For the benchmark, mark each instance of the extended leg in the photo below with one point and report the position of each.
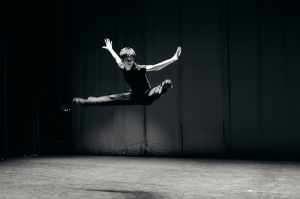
(116, 99)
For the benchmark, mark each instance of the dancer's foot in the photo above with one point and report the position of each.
(79, 101)
(167, 84)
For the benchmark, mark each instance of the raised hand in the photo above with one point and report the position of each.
(177, 54)
(108, 44)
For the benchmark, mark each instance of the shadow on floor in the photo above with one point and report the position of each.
(129, 194)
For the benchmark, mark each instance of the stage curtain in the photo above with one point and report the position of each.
(264, 84)
(189, 118)
(235, 85)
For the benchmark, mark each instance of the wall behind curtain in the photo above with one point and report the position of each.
(235, 85)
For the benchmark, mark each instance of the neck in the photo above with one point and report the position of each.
(128, 67)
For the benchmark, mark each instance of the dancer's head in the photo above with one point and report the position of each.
(127, 55)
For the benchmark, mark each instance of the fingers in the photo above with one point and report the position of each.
(178, 51)
(106, 41)
(108, 44)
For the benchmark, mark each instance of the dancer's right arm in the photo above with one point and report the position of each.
(113, 53)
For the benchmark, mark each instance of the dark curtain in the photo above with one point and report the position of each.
(3, 89)
(236, 85)
(189, 118)
(264, 85)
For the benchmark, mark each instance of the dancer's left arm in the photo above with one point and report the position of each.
(165, 63)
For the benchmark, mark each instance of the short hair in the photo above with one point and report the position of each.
(127, 52)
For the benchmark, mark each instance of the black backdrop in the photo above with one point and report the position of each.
(236, 85)
(189, 119)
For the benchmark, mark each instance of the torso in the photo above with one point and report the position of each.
(137, 79)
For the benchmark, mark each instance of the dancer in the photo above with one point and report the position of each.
(141, 92)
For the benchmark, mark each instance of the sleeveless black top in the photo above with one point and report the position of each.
(137, 79)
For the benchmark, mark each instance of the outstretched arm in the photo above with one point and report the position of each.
(165, 63)
(110, 49)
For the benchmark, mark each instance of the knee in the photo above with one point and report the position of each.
(168, 81)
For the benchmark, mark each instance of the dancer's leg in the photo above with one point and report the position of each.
(116, 99)
(158, 91)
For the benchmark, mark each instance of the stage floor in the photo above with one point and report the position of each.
(146, 177)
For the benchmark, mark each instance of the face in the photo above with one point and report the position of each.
(128, 60)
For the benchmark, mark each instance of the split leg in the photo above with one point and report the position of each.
(109, 100)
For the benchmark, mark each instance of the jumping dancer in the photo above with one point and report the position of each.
(141, 92)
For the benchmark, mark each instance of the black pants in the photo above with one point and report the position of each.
(130, 98)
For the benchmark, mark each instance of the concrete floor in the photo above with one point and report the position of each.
(146, 177)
